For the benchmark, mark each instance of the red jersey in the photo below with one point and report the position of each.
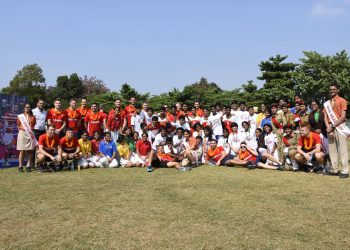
(144, 147)
(49, 144)
(73, 117)
(94, 121)
(199, 112)
(164, 157)
(114, 120)
(69, 145)
(246, 156)
(57, 117)
(83, 112)
(130, 111)
(104, 115)
(215, 154)
(227, 124)
(95, 145)
(170, 117)
(309, 144)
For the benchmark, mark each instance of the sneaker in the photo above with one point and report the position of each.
(251, 166)
(295, 169)
(343, 176)
(41, 169)
(20, 169)
(149, 169)
(188, 168)
(182, 169)
(280, 167)
(28, 169)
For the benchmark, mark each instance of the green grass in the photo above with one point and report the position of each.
(207, 208)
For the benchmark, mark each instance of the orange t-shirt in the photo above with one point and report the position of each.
(57, 117)
(73, 116)
(215, 154)
(32, 121)
(309, 144)
(338, 105)
(49, 144)
(94, 122)
(69, 145)
(164, 157)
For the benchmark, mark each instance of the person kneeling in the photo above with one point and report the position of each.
(85, 151)
(49, 149)
(70, 148)
(109, 156)
(309, 150)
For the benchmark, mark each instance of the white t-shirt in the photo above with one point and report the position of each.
(270, 141)
(232, 119)
(136, 121)
(224, 142)
(177, 140)
(178, 125)
(252, 121)
(250, 138)
(215, 122)
(158, 140)
(235, 140)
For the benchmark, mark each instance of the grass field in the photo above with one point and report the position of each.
(206, 208)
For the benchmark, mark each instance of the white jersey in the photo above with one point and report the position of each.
(158, 140)
(252, 121)
(270, 141)
(184, 126)
(224, 142)
(215, 122)
(177, 140)
(235, 140)
(136, 121)
(249, 137)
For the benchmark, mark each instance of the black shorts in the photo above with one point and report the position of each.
(227, 158)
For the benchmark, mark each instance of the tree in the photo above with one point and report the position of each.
(317, 71)
(30, 82)
(67, 88)
(126, 92)
(279, 77)
(93, 86)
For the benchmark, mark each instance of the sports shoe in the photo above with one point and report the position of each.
(251, 166)
(280, 167)
(182, 169)
(28, 169)
(20, 169)
(149, 169)
(343, 176)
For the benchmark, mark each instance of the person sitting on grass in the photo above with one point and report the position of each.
(126, 158)
(194, 153)
(309, 150)
(216, 155)
(85, 151)
(248, 157)
(143, 149)
(109, 156)
(49, 149)
(70, 148)
(166, 161)
(290, 144)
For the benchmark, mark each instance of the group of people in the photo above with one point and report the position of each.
(277, 137)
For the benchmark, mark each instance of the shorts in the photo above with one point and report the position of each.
(227, 158)
(163, 164)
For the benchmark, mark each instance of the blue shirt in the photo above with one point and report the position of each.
(265, 121)
(107, 148)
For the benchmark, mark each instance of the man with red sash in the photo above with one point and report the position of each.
(73, 117)
(309, 149)
(83, 111)
(57, 117)
(93, 121)
(49, 148)
(335, 117)
(116, 121)
(130, 110)
(70, 147)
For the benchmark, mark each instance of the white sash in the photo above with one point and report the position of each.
(27, 129)
(342, 128)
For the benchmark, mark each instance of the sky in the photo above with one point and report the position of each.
(157, 45)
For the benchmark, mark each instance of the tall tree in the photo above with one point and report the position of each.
(279, 77)
(317, 71)
(29, 81)
(92, 85)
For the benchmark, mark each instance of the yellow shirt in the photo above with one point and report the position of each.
(259, 118)
(124, 151)
(85, 147)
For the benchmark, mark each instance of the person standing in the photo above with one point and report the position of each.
(83, 110)
(130, 111)
(335, 112)
(40, 115)
(57, 117)
(93, 121)
(26, 141)
(73, 117)
(116, 121)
